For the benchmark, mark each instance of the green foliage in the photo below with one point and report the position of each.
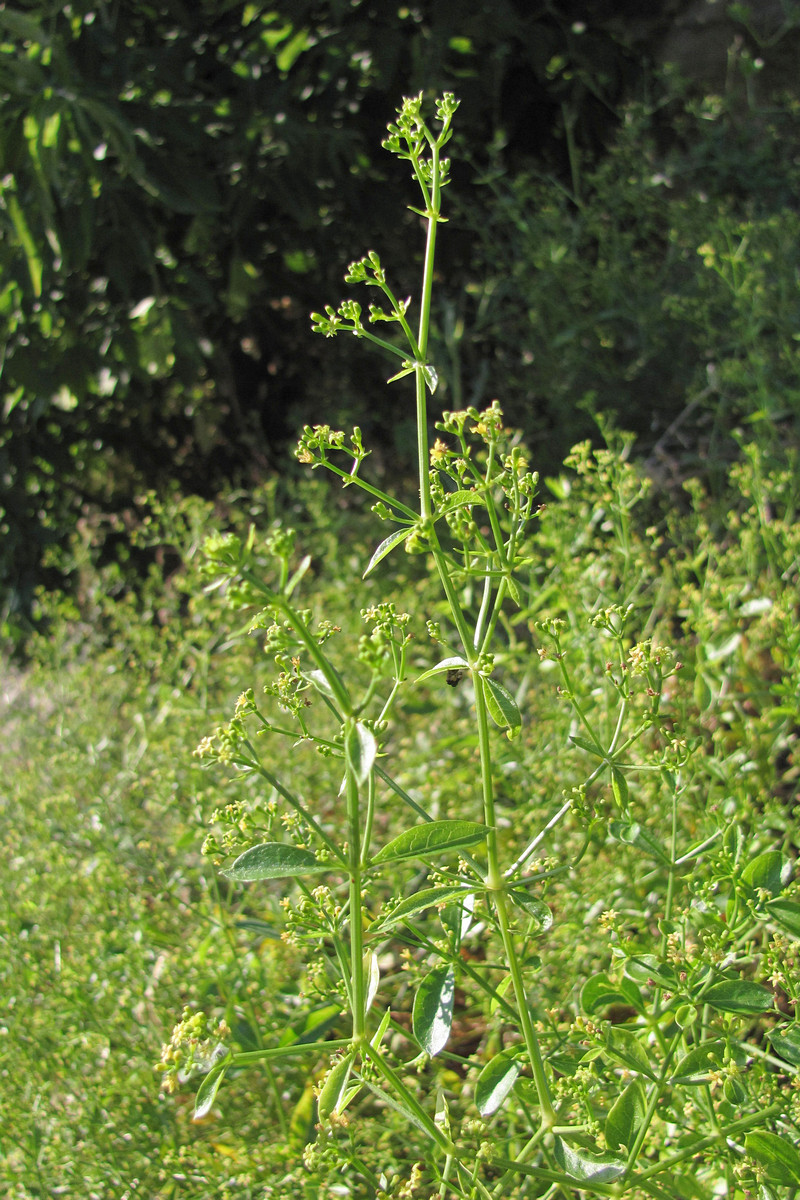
(606, 893)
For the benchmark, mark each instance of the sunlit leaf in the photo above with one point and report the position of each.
(434, 838)
(739, 996)
(432, 1014)
(502, 707)
(496, 1081)
(274, 860)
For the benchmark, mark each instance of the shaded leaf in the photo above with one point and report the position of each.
(206, 1093)
(626, 1116)
(787, 914)
(496, 1081)
(434, 838)
(619, 786)
(623, 1046)
(589, 1168)
(631, 833)
(333, 1088)
(502, 707)
(786, 1043)
(695, 1066)
(599, 992)
(647, 968)
(274, 860)
(432, 1014)
(447, 664)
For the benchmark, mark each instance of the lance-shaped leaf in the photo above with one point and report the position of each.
(502, 707)
(274, 860)
(496, 1081)
(418, 903)
(432, 839)
(432, 1014)
(333, 1088)
(372, 978)
(387, 545)
(206, 1093)
(447, 664)
(360, 750)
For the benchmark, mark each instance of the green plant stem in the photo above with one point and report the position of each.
(496, 885)
(272, 1054)
(736, 1127)
(412, 1106)
(355, 908)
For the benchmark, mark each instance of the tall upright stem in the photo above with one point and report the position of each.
(356, 937)
(496, 885)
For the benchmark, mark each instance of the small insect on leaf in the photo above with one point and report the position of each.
(454, 676)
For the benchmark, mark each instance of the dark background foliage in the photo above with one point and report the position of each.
(182, 183)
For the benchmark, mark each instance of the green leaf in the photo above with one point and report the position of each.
(787, 914)
(206, 1093)
(427, 841)
(786, 1043)
(418, 903)
(695, 1066)
(769, 872)
(589, 747)
(496, 1081)
(432, 1014)
(387, 545)
(631, 833)
(739, 996)
(380, 1032)
(26, 240)
(647, 968)
(360, 750)
(780, 1158)
(321, 683)
(372, 977)
(619, 786)
(533, 907)
(333, 1088)
(502, 707)
(588, 1168)
(599, 992)
(626, 1116)
(459, 499)
(430, 376)
(274, 860)
(624, 1047)
(447, 664)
